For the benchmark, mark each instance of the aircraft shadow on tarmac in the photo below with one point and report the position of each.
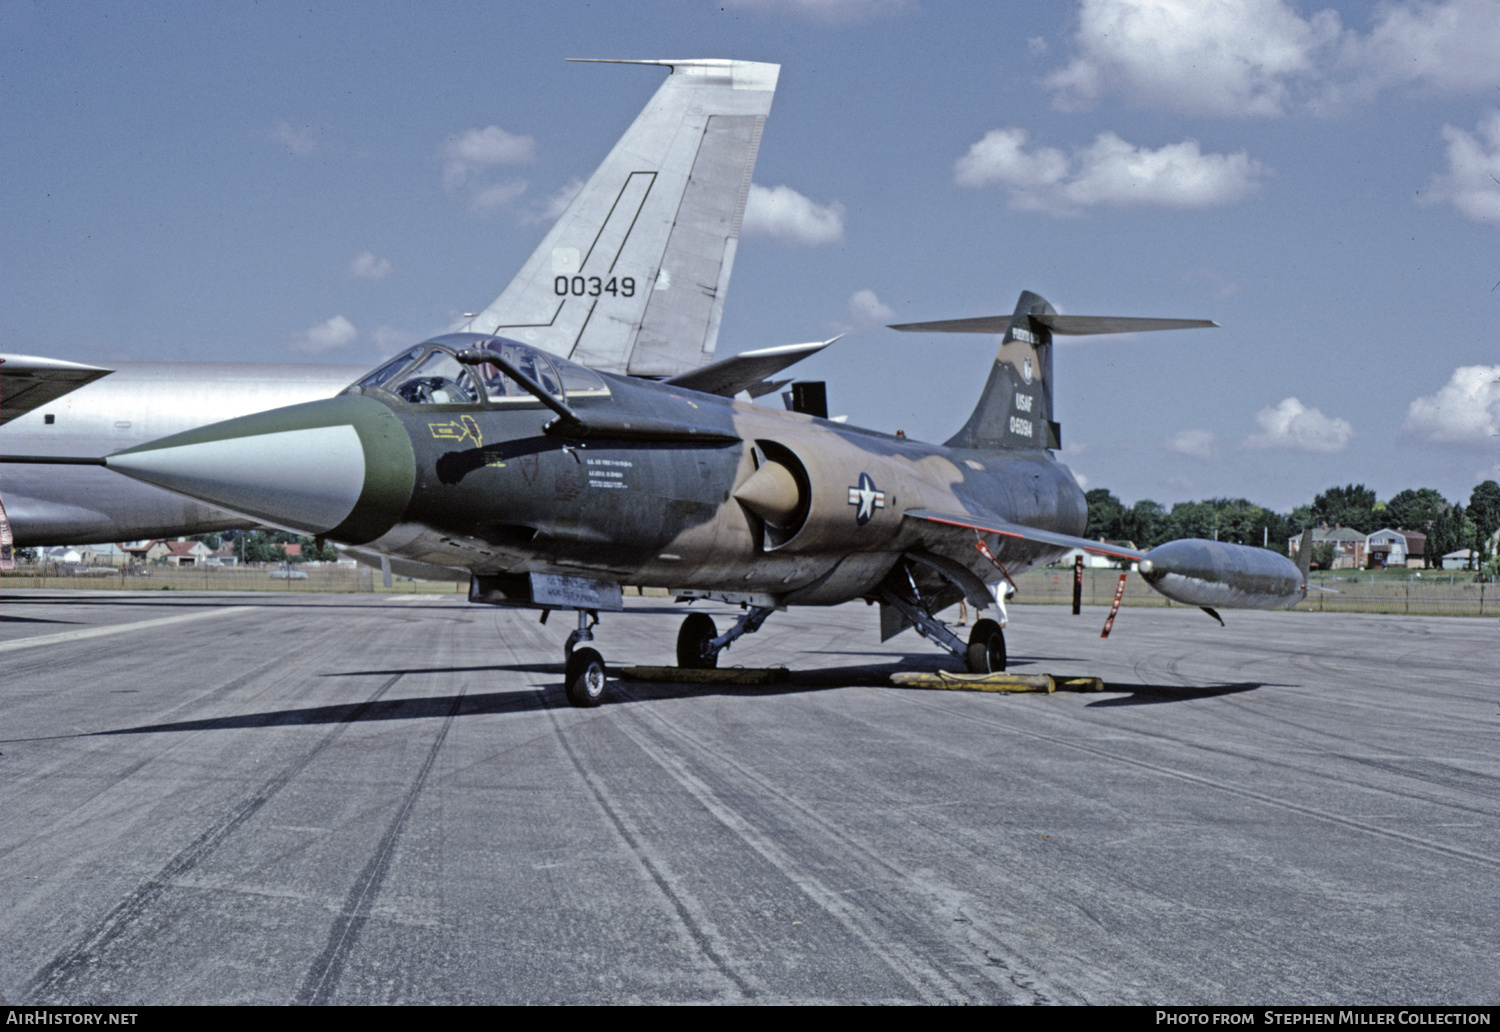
(467, 704)
(529, 699)
(1153, 694)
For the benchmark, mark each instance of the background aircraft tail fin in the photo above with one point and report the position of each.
(632, 277)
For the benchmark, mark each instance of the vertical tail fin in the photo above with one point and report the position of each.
(632, 277)
(1014, 412)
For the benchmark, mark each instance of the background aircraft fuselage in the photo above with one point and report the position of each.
(137, 402)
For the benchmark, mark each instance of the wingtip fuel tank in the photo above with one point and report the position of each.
(1220, 575)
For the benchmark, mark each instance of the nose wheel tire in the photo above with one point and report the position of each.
(696, 632)
(585, 679)
(986, 652)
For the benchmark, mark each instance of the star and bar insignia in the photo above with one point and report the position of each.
(867, 498)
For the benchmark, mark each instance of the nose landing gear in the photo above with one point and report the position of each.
(584, 677)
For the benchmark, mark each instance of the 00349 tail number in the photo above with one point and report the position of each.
(593, 286)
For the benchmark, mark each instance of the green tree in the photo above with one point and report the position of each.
(1418, 509)
(1106, 514)
(1447, 535)
(260, 547)
(1352, 506)
(1142, 523)
(1484, 508)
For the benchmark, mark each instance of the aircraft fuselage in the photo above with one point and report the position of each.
(658, 486)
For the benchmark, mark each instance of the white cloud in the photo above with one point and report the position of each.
(549, 209)
(1453, 46)
(486, 200)
(300, 142)
(867, 310)
(1472, 183)
(331, 335)
(783, 214)
(1292, 426)
(1261, 57)
(366, 266)
(467, 155)
(1197, 443)
(1465, 411)
(1195, 55)
(1109, 171)
(387, 341)
(826, 10)
(471, 154)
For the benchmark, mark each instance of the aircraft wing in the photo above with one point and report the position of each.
(632, 277)
(995, 525)
(747, 371)
(1066, 325)
(27, 382)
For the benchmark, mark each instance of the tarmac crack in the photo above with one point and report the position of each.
(924, 975)
(691, 916)
(1307, 811)
(323, 977)
(90, 950)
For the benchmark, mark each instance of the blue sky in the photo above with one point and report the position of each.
(290, 182)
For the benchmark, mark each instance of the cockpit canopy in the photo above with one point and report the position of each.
(431, 374)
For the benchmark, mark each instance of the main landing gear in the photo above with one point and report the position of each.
(699, 641)
(584, 676)
(985, 651)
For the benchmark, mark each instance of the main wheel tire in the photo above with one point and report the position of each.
(986, 652)
(696, 632)
(585, 678)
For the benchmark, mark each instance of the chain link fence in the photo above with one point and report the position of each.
(1415, 593)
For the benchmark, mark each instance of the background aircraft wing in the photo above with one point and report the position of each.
(995, 525)
(747, 371)
(27, 382)
(632, 277)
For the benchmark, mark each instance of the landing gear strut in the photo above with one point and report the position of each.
(584, 677)
(985, 651)
(699, 643)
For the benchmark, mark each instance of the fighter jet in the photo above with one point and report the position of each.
(531, 454)
(551, 485)
(631, 280)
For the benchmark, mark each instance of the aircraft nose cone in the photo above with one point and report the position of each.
(342, 467)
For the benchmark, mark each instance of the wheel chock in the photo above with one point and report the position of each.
(1078, 684)
(977, 682)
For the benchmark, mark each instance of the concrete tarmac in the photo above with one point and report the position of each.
(291, 798)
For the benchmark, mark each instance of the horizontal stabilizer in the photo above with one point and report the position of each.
(747, 370)
(27, 382)
(995, 525)
(1067, 325)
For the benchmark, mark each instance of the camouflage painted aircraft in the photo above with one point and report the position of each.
(550, 485)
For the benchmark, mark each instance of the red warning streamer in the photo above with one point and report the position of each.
(984, 550)
(1115, 606)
